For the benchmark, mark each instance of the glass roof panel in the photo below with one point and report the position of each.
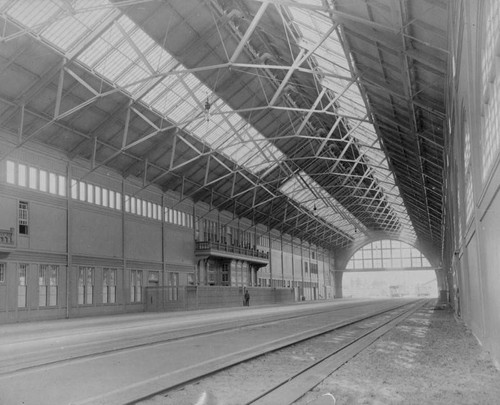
(71, 28)
(96, 52)
(300, 187)
(312, 25)
(34, 14)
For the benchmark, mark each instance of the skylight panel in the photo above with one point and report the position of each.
(112, 35)
(178, 107)
(113, 65)
(159, 59)
(236, 121)
(70, 29)
(35, 13)
(142, 40)
(299, 189)
(160, 103)
(95, 52)
(115, 56)
(238, 153)
(64, 32)
(217, 137)
(126, 23)
(134, 74)
(183, 113)
(151, 97)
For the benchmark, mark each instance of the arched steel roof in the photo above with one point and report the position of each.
(322, 119)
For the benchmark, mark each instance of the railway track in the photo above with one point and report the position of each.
(146, 364)
(126, 338)
(361, 332)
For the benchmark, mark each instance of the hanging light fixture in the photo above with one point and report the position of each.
(207, 109)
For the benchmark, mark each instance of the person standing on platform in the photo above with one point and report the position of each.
(246, 301)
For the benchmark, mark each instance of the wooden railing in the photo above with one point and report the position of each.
(224, 247)
(7, 237)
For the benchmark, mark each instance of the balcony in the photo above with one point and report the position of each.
(7, 239)
(217, 249)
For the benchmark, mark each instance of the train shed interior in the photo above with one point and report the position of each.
(170, 155)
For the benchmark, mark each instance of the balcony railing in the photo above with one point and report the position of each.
(7, 237)
(224, 247)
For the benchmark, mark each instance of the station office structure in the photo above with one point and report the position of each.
(160, 155)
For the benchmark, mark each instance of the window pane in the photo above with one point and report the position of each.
(21, 175)
(33, 175)
(53, 275)
(42, 185)
(127, 203)
(132, 205)
(150, 210)
(105, 197)
(52, 183)
(90, 193)
(62, 186)
(82, 191)
(144, 207)
(11, 172)
(74, 189)
(119, 201)
(139, 206)
(97, 195)
(111, 199)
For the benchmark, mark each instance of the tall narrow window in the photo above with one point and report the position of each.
(23, 218)
(47, 285)
(97, 195)
(118, 204)
(2, 273)
(42, 287)
(136, 285)
(74, 189)
(85, 285)
(139, 206)
(83, 188)
(173, 283)
(90, 193)
(53, 281)
(61, 189)
(22, 285)
(109, 286)
(43, 180)
(33, 177)
(21, 175)
(111, 199)
(105, 197)
(11, 172)
(52, 183)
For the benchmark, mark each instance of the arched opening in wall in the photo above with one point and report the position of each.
(389, 268)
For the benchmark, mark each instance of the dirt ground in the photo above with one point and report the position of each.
(431, 358)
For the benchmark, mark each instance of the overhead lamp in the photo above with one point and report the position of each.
(207, 109)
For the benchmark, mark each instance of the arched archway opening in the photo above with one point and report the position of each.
(389, 268)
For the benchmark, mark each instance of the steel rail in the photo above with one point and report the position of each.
(101, 347)
(290, 390)
(255, 352)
